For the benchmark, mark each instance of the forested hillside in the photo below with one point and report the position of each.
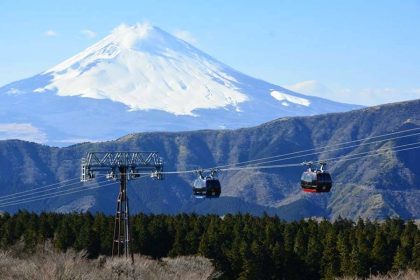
(240, 246)
(374, 187)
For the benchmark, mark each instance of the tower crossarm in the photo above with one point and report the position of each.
(133, 162)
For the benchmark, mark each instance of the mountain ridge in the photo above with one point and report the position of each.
(376, 187)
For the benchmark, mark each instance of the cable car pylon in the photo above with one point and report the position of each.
(124, 166)
(122, 230)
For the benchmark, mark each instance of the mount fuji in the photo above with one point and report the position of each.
(141, 78)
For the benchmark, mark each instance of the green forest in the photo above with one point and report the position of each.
(240, 246)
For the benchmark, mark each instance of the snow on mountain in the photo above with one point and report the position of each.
(140, 78)
(289, 98)
(146, 68)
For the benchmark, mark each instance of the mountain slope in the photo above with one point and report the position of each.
(375, 187)
(140, 78)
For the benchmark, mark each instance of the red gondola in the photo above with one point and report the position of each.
(316, 180)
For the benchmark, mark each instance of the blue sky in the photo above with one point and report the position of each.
(365, 52)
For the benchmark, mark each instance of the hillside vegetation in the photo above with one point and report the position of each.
(374, 187)
(240, 246)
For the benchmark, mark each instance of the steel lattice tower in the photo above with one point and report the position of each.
(124, 166)
(122, 230)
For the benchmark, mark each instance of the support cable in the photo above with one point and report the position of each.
(43, 187)
(56, 194)
(280, 166)
(37, 191)
(324, 147)
(333, 150)
(66, 183)
(337, 159)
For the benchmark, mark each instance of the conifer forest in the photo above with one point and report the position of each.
(239, 246)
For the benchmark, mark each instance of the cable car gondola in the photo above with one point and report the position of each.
(316, 180)
(207, 186)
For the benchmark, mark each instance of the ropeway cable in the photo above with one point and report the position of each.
(292, 164)
(43, 187)
(62, 183)
(336, 159)
(52, 195)
(333, 150)
(251, 167)
(344, 158)
(305, 155)
(313, 149)
(37, 191)
(255, 166)
(341, 158)
(56, 194)
(381, 152)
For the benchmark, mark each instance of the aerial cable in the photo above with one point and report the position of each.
(66, 183)
(58, 193)
(254, 166)
(338, 159)
(258, 167)
(43, 187)
(169, 172)
(223, 169)
(52, 195)
(48, 194)
(378, 152)
(298, 152)
(46, 188)
(333, 150)
(313, 149)
(38, 191)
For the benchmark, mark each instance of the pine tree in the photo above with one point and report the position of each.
(313, 256)
(344, 249)
(262, 261)
(180, 246)
(86, 238)
(277, 256)
(234, 259)
(357, 263)
(64, 237)
(300, 244)
(193, 236)
(379, 252)
(31, 239)
(140, 233)
(247, 270)
(400, 259)
(415, 263)
(330, 264)
(360, 251)
(46, 230)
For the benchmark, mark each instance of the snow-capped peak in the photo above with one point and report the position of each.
(152, 80)
(122, 37)
(146, 68)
